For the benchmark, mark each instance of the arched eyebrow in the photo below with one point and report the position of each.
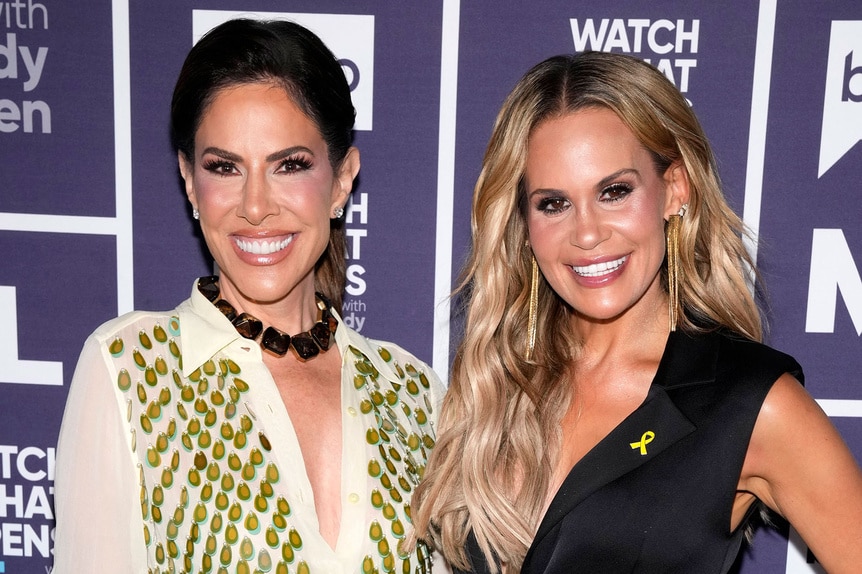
(608, 179)
(600, 185)
(275, 156)
(287, 152)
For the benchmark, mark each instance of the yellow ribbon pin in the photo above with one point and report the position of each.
(646, 438)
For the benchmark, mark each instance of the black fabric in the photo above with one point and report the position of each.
(667, 510)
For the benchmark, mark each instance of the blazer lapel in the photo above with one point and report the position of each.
(649, 430)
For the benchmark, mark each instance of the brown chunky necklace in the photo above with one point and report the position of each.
(305, 345)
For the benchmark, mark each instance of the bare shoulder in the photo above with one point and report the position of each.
(798, 465)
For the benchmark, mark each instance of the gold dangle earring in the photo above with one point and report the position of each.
(534, 308)
(674, 272)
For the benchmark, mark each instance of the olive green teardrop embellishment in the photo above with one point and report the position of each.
(159, 333)
(287, 553)
(226, 555)
(209, 368)
(150, 376)
(219, 450)
(231, 535)
(272, 473)
(235, 512)
(200, 513)
(420, 416)
(174, 349)
(142, 393)
(222, 501)
(124, 380)
(375, 531)
(367, 565)
(217, 522)
(374, 468)
(153, 457)
(227, 483)
(271, 537)
(243, 491)
(376, 499)
(139, 359)
(266, 489)
(210, 545)
(255, 457)
(213, 471)
(372, 436)
(167, 477)
(154, 411)
(116, 347)
(204, 439)
(358, 381)
(252, 524)
(283, 506)
(241, 385)
(295, 539)
(412, 387)
(384, 354)
(248, 471)
(161, 366)
(186, 440)
(210, 418)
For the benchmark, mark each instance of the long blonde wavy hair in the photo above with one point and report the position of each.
(498, 437)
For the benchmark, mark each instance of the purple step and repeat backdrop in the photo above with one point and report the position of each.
(94, 222)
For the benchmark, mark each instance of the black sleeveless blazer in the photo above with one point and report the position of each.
(656, 494)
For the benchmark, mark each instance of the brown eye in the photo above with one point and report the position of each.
(295, 164)
(615, 192)
(552, 204)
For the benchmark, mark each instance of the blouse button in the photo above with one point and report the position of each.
(351, 411)
(353, 497)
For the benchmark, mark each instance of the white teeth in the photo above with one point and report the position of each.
(263, 247)
(598, 269)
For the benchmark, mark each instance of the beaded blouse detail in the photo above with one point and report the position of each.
(210, 486)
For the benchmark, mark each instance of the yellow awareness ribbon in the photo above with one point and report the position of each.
(646, 438)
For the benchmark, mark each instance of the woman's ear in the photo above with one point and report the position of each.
(343, 184)
(187, 171)
(677, 188)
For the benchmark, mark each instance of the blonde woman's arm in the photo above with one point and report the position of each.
(799, 466)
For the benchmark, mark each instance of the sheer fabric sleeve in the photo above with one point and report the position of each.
(96, 496)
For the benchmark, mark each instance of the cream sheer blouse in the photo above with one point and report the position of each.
(176, 454)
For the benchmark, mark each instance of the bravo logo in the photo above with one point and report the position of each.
(842, 105)
(349, 36)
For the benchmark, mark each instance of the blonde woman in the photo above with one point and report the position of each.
(611, 408)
